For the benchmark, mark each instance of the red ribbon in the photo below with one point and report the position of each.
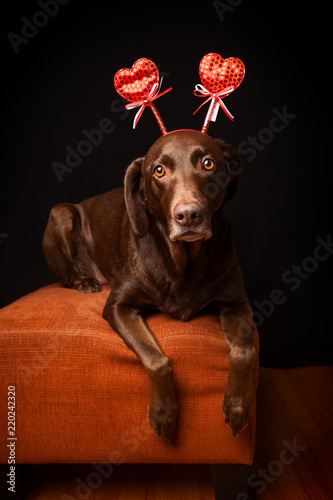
(153, 94)
(201, 91)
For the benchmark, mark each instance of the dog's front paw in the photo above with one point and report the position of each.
(87, 285)
(238, 409)
(163, 416)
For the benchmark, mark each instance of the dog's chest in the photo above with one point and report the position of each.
(181, 284)
(183, 300)
(181, 309)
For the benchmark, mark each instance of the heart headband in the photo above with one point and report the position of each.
(141, 86)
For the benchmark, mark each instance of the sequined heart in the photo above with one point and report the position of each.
(218, 74)
(135, 84)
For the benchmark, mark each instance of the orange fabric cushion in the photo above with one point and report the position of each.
(82, 395)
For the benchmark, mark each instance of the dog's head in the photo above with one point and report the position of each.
(184, 178)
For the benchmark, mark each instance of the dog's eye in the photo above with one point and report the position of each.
(159, 171)
(208, 164)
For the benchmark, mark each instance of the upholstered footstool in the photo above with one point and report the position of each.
(82, 396)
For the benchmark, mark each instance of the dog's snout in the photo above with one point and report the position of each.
(188, 214)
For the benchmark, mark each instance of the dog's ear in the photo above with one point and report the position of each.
(234, 166)
(134, 198)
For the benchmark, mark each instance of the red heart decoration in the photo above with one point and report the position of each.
(135, 84)
(218, 74)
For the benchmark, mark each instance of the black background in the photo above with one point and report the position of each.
(61, 82)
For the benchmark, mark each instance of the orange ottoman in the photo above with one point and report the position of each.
(82, 396)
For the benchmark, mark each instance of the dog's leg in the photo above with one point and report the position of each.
(132, 328)
(237, 326)
(65, 249)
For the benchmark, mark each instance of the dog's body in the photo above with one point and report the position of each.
(163, 242)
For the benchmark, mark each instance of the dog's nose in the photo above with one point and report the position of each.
(188, 214)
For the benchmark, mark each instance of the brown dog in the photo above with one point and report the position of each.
(163, 242)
